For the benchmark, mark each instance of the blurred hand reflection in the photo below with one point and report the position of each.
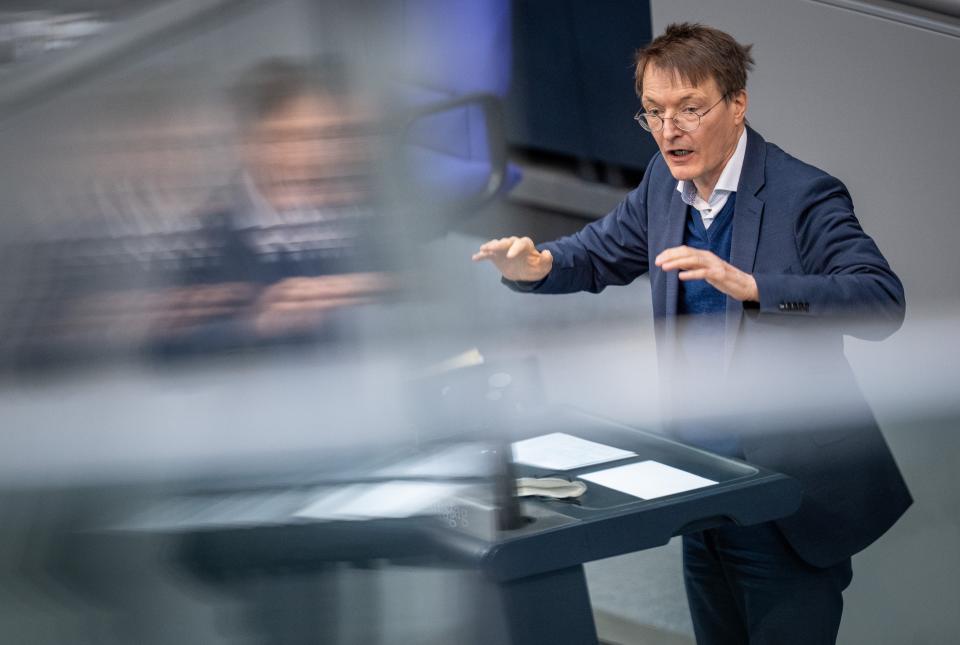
(300, 304)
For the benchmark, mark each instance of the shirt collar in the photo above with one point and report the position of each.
(257, 211)
(729, 178)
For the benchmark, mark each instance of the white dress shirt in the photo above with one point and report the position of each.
(729, 178)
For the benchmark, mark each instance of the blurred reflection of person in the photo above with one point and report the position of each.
(765, 256)
(308, 183)
(299, 226)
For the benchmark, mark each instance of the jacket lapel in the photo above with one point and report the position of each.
(676, 223)
(747, 216)
(673, 236)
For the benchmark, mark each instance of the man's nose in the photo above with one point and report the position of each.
(670, 130)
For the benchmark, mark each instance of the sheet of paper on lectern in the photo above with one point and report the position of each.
(648, 479)
(561, 451)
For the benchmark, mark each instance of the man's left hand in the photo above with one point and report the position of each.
(696, 264)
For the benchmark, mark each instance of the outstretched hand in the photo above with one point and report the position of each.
(516, 258)
(696, 264)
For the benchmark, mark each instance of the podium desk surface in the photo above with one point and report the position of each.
(552, 535)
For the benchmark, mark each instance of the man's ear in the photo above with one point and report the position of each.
(740, 101)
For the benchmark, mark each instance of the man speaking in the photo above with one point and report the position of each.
(758, 267)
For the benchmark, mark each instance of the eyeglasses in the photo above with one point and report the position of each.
(688, 120)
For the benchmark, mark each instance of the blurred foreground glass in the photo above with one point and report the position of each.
(230, 184)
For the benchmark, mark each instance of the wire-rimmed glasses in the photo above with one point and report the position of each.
(687, 120)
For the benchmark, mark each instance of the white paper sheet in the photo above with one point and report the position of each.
(648, 479)
(389, 499)
(561, 451)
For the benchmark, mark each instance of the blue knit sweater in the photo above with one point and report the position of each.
(698, 297)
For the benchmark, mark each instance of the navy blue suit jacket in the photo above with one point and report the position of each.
(819, 277)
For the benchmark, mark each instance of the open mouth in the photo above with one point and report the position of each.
(680, 154)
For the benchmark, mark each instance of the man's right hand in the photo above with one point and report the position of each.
(516, 258)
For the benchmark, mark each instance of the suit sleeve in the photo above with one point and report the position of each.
(846, 279)
(610, 251)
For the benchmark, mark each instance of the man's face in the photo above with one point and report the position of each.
(697, 156)
(312, 152)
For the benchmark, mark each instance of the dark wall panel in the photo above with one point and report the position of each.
(572, 90)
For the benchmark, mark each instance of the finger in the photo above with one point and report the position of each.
(696, 274)
(496, 246)
(671, 253)
(683, 251)
(521, 245)
(689, 258)
(688, 262)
